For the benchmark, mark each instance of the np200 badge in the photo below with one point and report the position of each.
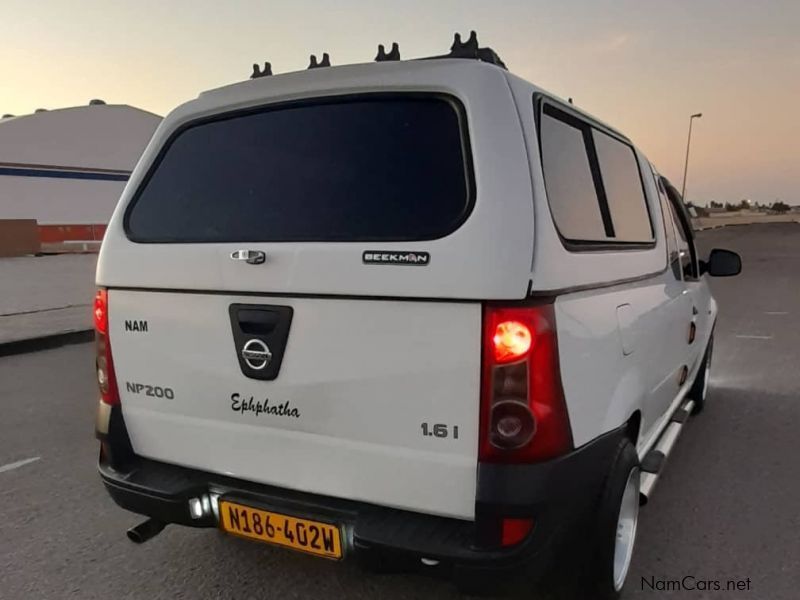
(382, 257)
(154, 391)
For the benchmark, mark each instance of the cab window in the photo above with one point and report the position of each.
(686, 247)
(673, 256)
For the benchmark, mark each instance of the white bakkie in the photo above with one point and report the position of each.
(418, 313)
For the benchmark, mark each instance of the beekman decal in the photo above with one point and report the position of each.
(383, 257)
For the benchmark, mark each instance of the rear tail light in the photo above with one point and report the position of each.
(523, 413)
(106, 379)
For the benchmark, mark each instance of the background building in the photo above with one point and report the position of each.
(66, 168)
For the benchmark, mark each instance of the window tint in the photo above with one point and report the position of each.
(372, 168)
(568, 178)
(623, 189)
(593, 182)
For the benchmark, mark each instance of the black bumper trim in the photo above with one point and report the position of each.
(524, 490)
(551, 493)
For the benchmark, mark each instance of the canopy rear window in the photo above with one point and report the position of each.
(367, 168)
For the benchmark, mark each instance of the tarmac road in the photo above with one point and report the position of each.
(728, 506)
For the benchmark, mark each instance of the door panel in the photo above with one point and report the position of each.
(608, 373)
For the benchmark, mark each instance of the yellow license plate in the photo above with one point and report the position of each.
(321, 539)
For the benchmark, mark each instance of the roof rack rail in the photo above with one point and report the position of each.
(325, 62)
(393, 54)
(459, 49)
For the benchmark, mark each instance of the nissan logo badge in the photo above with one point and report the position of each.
(256, 354)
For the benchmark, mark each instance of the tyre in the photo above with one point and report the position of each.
(699, 389)
(615, 526)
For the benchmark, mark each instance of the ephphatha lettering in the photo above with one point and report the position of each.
(262, 407)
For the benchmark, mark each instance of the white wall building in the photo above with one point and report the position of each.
(69, 166)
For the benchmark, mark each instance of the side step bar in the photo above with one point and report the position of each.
(653, 463)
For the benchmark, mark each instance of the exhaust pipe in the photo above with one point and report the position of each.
(145, 531)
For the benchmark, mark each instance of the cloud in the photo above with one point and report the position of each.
(613, 42)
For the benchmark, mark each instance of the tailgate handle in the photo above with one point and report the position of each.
(257, 322)
(251, 257)
(265, 326)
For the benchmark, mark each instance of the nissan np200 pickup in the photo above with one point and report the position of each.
(409, 312)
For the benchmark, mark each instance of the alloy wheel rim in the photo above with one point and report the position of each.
(627, 522)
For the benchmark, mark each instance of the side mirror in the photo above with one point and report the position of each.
(721, 263)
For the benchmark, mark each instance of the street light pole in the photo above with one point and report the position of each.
(686, 164)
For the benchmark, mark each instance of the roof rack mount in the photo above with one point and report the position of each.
(325, 62)
(266, 72)
(393, 54)
(471, 49)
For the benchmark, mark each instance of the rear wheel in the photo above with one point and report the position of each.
(627, 521)
(616, 523)
(699, 389)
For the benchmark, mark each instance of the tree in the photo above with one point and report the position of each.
(715, 204)
(779, 207)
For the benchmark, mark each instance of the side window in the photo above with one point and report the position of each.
(683, 244)
(622, 182)
(568, 178)
(673, 256)
(677, 220)
(686, 246)
(594, 185)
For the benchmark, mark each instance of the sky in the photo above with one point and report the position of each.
(642, 66)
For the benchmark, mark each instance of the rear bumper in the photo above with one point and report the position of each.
(554, 494)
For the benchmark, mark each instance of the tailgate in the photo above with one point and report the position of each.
(371, 400)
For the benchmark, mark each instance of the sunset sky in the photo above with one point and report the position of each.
(641, 66)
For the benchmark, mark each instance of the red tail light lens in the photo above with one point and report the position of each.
(101, 312)
(523, 413)
(106, 379)
(511, 340)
